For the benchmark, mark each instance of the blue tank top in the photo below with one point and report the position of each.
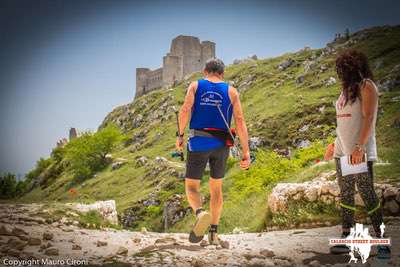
(205, 114)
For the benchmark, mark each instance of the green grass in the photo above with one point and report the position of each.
(304, 212)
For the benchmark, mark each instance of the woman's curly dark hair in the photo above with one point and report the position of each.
(352, 68)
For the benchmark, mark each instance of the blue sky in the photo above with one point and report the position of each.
(68, 63)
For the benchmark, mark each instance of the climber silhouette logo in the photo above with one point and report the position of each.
(360, 241)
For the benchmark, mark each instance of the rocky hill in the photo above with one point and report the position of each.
(288, 104)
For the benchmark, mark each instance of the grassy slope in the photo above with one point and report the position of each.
(274, 113)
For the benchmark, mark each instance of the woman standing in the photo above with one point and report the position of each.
(356, 112)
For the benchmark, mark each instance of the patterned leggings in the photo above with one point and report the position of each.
(365, 185)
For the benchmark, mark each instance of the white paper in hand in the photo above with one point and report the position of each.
(348, 168)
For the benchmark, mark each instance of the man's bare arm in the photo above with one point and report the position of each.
(241, 128)
(186, 109)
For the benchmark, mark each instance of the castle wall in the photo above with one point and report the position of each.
(148, 80)
(141, 81)
(172, 70)
(154, 79)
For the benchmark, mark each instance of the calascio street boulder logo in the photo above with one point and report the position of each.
(360, 242)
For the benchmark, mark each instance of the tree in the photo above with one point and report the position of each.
(8, 184)
(87, 154)
(41, 165)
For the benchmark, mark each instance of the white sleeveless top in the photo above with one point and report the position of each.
(349, 118)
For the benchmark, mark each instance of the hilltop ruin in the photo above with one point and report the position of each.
(187, 55)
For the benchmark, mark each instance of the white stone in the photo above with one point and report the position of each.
(330, 81)
(311, 193)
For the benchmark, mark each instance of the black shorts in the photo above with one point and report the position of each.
(197, 161)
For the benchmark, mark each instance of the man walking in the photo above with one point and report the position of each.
(210, 104)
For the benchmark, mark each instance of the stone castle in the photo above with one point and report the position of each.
(187, 55)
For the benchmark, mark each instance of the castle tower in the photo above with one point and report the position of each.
(172, 69)
(189, 49)
(187, 55)
(141, 81)
(72, 134)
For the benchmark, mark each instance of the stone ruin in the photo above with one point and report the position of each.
(187, 55)
(72, 133)
(62, 142)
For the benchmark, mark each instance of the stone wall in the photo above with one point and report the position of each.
(187, 55)
(154, 79)
(325, 190)
(141, 81)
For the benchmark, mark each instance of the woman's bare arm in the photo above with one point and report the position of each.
(368, 105)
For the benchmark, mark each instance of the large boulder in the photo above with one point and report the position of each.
(330, 81)
(255, 142)
(160, 160)
(137, 121)
(285, 64)
(174, 210)
(117, 165)
(300, 79)
(141, 161)
(309, 65)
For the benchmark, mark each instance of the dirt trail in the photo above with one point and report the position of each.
(25, 235)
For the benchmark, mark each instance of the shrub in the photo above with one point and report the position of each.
(304, 156)
(58, 154)
(87, 154)
(8, 185)
(154, 211)
(271, 168)
(41, 165)
(267, 170)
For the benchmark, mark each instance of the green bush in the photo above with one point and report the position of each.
(58, 154)
(9, 187)
(268, 169)
(20, 188)
(41, 165)
(87, 154)
(154, 211)
(271, 168)
(305, 156)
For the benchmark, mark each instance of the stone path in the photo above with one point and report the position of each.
(25, 235)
